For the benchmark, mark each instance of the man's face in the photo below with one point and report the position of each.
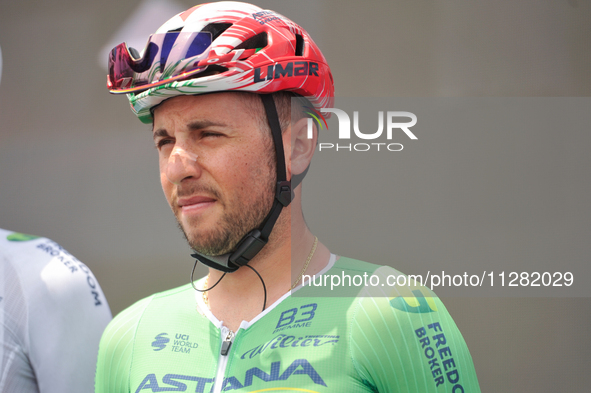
(217, 168)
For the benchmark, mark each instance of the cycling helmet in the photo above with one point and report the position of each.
(224, 46)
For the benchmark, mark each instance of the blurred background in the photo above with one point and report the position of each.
(78, 167)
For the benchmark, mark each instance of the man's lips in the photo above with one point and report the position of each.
(195, 203)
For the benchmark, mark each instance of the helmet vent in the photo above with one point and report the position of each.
(257, 42)
(299, 45)
(211, 70)
(216, 29)
(134, 53)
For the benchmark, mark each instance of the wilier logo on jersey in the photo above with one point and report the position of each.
(285, 341)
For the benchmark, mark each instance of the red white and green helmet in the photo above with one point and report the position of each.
(224, 46)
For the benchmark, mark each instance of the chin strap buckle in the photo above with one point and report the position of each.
(250, 246)
(283, 193)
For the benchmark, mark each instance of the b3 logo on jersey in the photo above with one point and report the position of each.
(295, 317)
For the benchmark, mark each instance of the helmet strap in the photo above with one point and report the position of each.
(253, 242)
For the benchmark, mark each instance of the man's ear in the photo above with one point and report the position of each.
(302, 147)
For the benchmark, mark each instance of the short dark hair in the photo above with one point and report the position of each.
(290, 107)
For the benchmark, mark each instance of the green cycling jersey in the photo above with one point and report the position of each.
(382, 339)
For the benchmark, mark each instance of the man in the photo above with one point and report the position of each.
(52, 315)
(229, 162)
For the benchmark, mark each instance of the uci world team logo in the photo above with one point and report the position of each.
(160, 342)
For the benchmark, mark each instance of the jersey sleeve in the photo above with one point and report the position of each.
(404, 340)
(66, 323)
(115, 350)
(16, 372)
(53, 315)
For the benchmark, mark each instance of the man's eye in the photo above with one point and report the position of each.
(162, 142)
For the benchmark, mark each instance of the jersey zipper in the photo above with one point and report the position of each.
(227, 340)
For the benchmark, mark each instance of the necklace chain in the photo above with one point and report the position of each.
(310, 255)
(204, 293)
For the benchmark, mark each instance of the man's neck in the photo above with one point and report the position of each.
(240, 295)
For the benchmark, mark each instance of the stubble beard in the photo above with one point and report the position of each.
(230, 229)
(237, 220)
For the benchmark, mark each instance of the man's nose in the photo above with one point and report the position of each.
(182, 164)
